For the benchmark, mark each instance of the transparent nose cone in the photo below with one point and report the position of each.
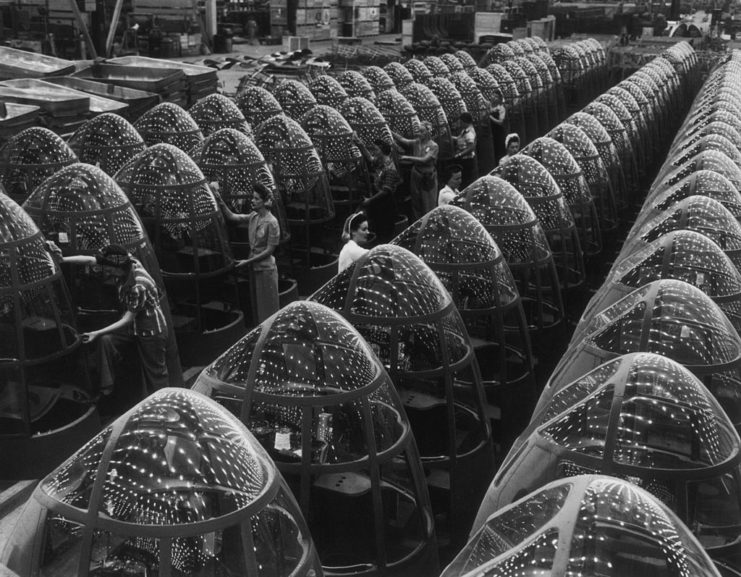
(378, 79)
(168, 123)
(176, 482)
(328, 91)
(588, 158)
(683, 255)
(29, 157)
(614, 419)
(31, 287)
(452, 63)
(294, 97)
(366, 120)
(399, 113)
(707, 182)
(297, 169)
(403, 310)
(179, 211)
(418, 70)
(400, 76)
(534, 182)
(436, 66)
(667, 317)
(309, 387)
(356, 85)
(216, 111)
(257, 104)
(108, 141)
(698, 213)
(468, 262)
(561, 165)
(428, 107)
(230, 158)
(506, 215)
(450, 99)
(586, 525)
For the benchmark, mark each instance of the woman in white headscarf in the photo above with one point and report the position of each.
(512, 146)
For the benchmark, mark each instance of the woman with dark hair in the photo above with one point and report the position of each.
(263, 232)
(465, 150)
(354, 234)
(143, 320)
(423, 180)
(511, 145)
(381, 205)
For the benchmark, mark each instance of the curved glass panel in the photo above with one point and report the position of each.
(168, 123)
(108, 141)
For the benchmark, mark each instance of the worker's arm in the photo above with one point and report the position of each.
(126, 319)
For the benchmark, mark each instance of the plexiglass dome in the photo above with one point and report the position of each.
(345, 164)
(400, 76)
(366, 120)
(488, 86)
(418, 70)
(452, 63)
(699, 213)
(377, 78)
(474, 100)
(601, 139)
(83, 210)
(450, 99)
(667, 317)
(309, 387)
(681, 254)
(297, 169)
(216, 111)
(179, 211)
(29, 157)
(436, 66)
(718, 142)
(402, 309)
(332, 137)
(586, 525)
(703, 182)
(466, 60)
(168, 123)
(646, 419)
(557, 160)
(586, 156)
(257, 104)
(36, 316)
(230, 158)
(714, 128)
(175, 486)
(498, 54)
(356, 85)
(534, 182)
(399, 113)
(294, 97)
(620, 138)
(506, 215)
(468, 262)
(328, 91)
(108, 141)
(428, 108)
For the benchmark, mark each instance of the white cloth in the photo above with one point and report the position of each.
(349, 254)
(446, 195)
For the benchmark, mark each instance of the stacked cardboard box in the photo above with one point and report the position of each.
(363, 15)
(315, 19)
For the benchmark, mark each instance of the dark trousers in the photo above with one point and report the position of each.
(152, 350)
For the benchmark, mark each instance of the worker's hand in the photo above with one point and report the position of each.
(54, 251)
(88, 338)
